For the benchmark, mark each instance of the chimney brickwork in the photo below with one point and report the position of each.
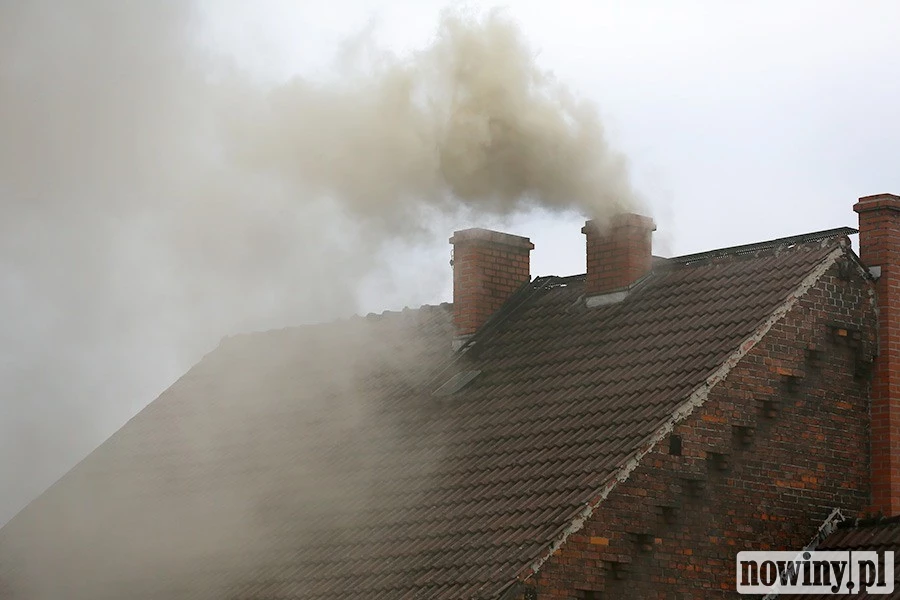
(488, 267)
(618, 255)
(879, 249)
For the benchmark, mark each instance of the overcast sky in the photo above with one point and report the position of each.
(741, 121)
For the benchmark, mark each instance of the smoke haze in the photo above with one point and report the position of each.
(272, 444)
(154, 199)
(469, 120)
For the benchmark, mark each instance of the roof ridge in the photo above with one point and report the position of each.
(550, 281)
(403, 311)
(803, 238)
(372, 316)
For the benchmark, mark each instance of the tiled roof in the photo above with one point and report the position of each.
(877, 534)
(316, 462)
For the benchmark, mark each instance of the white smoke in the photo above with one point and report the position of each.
(154, 199)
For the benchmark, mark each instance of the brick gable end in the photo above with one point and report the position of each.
(779, 444)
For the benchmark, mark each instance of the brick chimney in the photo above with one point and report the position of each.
(879, 249)
(488, 266)
(619, 255)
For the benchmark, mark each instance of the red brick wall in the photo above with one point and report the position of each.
(488, 267)
(790, 420)
(879, 241)
(620, 255)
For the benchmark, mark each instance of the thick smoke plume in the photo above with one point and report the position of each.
(471, 119)
(154, 199)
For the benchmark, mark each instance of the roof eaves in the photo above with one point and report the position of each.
(694, 400)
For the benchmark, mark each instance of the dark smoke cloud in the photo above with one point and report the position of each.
(154, 200)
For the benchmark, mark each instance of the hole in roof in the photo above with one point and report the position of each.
(456, 383)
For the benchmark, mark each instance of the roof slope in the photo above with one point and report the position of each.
(315, 462)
